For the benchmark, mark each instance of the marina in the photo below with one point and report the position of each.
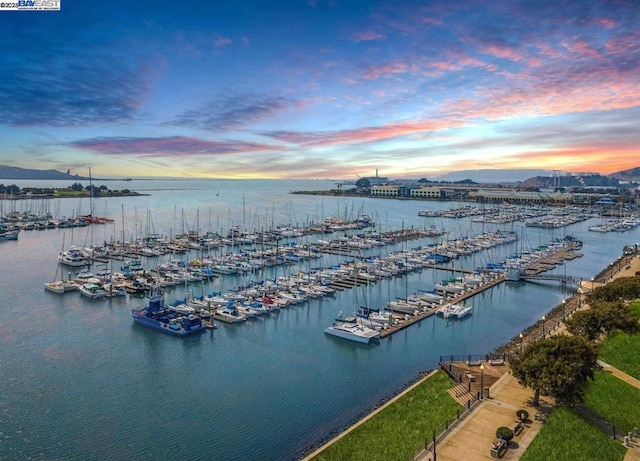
(267, 365)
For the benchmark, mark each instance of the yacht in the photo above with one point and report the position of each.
(353, 332)
(456, 311)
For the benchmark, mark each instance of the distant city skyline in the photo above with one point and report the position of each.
(322, 88)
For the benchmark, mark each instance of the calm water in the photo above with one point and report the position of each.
(81, 381)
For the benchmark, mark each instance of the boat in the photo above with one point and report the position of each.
(8, 235)
(353, 332)
(456, 311)
(74, 257)
(61, 286)
(156, 316)
(92, 290)
(228, 314)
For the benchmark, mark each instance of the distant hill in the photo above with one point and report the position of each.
(12, 172)
(631, 175)
(492, 175)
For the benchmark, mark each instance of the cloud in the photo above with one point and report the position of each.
(67, 91)
(221, 42)
(233, 112)
(359, 135)
(64, 73)
(367, 36)
(171, 146)
(386, 69)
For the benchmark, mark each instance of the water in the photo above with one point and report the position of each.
(81, 381)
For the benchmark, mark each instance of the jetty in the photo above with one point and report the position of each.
(432, 310)
(543, 261)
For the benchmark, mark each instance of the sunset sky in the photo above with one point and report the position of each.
(321, 88)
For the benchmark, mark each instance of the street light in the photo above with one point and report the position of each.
(521, 336)
(563, 301)
(543, 319)
(592, 284)
(482, 380)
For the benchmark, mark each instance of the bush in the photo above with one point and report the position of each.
(522, 414)
(504, 433)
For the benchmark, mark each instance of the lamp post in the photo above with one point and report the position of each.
(563, 302)
(580, 297)
(591, 284)
(521, 336)
(543, 319)
(482, 380)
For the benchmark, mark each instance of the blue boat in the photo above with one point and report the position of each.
(161, 318)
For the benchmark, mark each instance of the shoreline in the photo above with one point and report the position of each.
(623, 266)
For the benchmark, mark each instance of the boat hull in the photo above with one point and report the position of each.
(154, 324)
(351, 336)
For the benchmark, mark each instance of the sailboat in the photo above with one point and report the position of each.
(60, 286)
(354, 331)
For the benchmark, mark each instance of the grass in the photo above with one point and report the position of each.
(614, 400)
(566, 436)
(400, 429)
(621, 350)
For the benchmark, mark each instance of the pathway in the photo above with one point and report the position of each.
(472, 438)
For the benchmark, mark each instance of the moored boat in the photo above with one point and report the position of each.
(92, 290)
(61, 286)
(456, 311)
(158, 317)
(353, 332)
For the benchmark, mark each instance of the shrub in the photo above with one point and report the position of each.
(522, 414)
(504, 433)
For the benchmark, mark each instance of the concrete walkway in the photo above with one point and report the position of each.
(472, 438)
(633, 453)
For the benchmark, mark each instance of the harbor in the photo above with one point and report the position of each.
(62, 351)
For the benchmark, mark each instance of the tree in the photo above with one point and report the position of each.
(363, 183)
(621, 288)
(602, 319)
(558, 367)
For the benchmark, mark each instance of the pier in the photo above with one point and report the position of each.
(529, 271)
(431, 311)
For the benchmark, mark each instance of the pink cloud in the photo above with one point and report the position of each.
(386, 69)
(367, 36)
(503, 52)
(364, 134)
(431, 20)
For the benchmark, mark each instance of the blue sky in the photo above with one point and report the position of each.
(321, 89)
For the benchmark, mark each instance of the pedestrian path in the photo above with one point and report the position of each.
(472, 438)
(633, 453)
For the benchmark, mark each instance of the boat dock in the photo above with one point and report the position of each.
(545, 263)
(429, 312)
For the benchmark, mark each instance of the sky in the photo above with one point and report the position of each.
(320, 88)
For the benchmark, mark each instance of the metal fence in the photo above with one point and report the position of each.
(442, 431)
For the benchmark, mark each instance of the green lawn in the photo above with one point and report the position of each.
(621, 350)
(616, 401)
(566, 436)
(400, 429)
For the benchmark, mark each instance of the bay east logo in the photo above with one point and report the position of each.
(30, 5)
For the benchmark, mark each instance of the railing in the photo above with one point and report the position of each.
(442, 431)
(471, 358)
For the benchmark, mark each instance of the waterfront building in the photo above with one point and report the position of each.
(513, 196)
(430, 192)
